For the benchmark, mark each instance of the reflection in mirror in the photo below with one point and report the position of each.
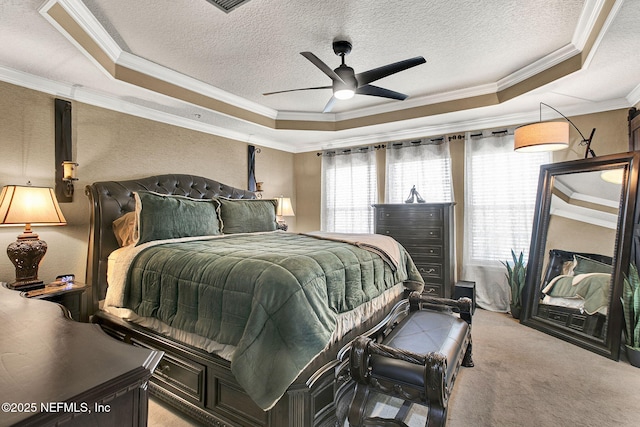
(583, 219)
(580, 246)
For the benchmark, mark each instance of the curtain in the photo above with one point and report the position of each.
(500, 196)
(349, 188)
(423, 163)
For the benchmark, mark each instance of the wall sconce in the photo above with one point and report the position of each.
(68, 176)
(548, 136)
(283, 209)
(26, 206)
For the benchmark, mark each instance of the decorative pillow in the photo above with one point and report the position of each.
(587, 265)
(162, 216)
(568, 267)
(247, 215)
(124, 228)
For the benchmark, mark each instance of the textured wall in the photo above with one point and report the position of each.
(110, 145)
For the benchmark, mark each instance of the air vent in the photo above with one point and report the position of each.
(227, 5)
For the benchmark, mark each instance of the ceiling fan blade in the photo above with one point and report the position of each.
(386, 70)
(329, 106)
(294, 90)
(323, 67)
(380, 91)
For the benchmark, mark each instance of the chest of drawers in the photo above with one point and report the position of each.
(426, 231)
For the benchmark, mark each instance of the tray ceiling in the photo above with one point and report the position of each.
(188, 63)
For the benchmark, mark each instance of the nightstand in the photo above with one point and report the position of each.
(71, 296)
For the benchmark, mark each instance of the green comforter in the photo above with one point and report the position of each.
(275, 296)
(593, 288)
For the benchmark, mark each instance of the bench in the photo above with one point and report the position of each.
(417, 361)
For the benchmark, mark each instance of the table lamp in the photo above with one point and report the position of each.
(27, 206)
(283, 209)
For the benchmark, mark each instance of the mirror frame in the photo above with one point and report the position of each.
(623, 250)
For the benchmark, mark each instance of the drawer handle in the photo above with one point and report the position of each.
(387, 232)
(164, 369)
(431, 270)
(429, 291)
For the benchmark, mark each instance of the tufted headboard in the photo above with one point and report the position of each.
(558, 257)
(112, 199)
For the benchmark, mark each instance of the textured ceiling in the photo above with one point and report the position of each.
(472, 47)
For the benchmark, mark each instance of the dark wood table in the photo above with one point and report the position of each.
(54, 370)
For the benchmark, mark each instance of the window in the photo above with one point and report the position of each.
(500, 197)
(422, 163)
(349, 188)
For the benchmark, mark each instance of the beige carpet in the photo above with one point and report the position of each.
(522, 378)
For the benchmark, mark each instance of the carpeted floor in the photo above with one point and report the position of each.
(522, 378)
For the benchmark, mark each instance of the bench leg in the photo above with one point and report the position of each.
(358, 405)
(437, 416)
(467, 361)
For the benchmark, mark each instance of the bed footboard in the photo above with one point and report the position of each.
(202, 386)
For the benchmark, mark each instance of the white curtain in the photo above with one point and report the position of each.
(349, 188)
(500, 196)
(423, 163)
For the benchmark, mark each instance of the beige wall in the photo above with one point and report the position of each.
(110, 145)
(571, 235)
(610, 137)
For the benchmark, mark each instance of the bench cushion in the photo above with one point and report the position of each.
(422, 332)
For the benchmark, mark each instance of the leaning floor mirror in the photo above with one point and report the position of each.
(581, 245)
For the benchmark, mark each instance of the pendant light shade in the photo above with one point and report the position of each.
(544, 136)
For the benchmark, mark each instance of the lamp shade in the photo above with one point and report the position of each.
(284, 207)
(21, 205)
(545, 136)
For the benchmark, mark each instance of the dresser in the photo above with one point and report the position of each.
(426, 230)
(59, 372)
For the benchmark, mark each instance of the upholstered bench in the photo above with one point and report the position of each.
(417, 361)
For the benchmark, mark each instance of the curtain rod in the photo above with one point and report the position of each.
(349, 150)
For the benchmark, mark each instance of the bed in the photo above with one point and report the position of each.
(575, 290)
(250, 317)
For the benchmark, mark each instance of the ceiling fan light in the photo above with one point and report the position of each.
(344, 93)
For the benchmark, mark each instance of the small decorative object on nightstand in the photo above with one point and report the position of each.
(65, 292)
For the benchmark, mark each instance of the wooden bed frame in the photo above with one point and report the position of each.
(588, 324)
(194, 381)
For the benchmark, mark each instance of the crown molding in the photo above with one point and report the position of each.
(588, 17)
(611, 15)
(87, 21)
(634, 96)
(236, 107)
(149, 68)
(90, 97)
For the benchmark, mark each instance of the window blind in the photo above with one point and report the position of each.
(500, 197)
(349, 188)
(425, 164)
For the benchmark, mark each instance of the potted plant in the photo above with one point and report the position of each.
(631, 309)
(515, 277)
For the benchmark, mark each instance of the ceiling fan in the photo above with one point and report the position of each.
(346, 83)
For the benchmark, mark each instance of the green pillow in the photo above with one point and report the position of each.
(247, 215)
(588, 265)
(162, 216)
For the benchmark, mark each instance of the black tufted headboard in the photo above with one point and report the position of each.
(558, 257)
(112, 199)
